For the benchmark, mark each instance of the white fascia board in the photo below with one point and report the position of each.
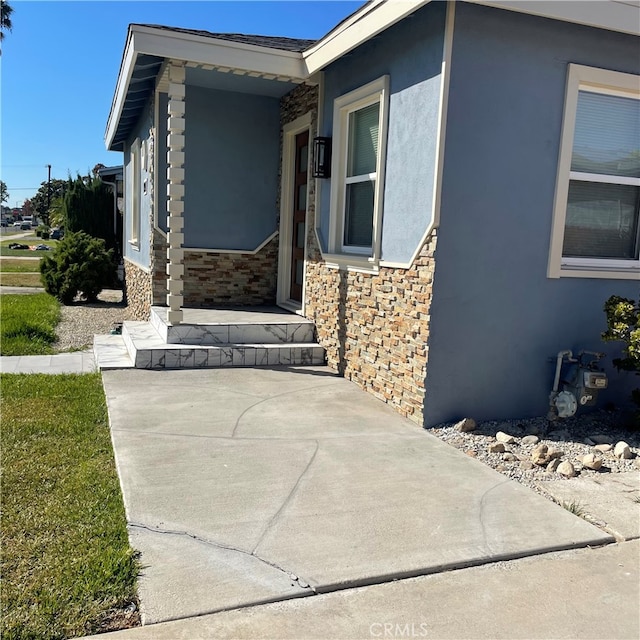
(614, 15)
(220, 53)
(363, 25)
(126, 69)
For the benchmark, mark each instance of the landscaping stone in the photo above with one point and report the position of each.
(497, 447)
(603, 448)
(565, 468)
(622, 450)
(530, 439)
(591, 461)
(600, 439)
(540, 455)
(501, 436)
(553, 465)
(466, 425)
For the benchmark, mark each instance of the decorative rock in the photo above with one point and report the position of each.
(553, 465)
(497, 447)
(600, 439)
(558, 435)
(591, 461)
(509, 457)
(589, 441)
(530, 439)
(554, 453)
(603, 448)
(622, 451)
(566, 469)
(501, 436)
(527, 465)
(540, 455)
(466, 425)
(471, 453)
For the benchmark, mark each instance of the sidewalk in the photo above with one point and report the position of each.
(587, 594)
(74, 362)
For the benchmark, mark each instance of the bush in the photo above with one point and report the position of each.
(623, 321)
(79, 265)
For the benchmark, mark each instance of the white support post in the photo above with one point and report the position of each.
(175, 191)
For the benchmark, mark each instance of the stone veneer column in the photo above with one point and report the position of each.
(175, 191)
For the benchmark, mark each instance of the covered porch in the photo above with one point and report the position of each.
(216, 177)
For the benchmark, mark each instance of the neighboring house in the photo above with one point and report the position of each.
(114, 177)
(482, 202)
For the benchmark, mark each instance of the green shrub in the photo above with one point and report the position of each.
(623, 321)
(79, 265)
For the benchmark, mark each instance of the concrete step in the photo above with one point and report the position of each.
(111, 352)
(233, 326)
(148, 350)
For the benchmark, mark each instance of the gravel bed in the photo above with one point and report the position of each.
(82, 320)
(567, 440)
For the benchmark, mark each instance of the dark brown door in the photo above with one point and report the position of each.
(299, 230)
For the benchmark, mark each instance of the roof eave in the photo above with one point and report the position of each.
(202, 50)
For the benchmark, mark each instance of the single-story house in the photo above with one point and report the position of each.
(449, 190)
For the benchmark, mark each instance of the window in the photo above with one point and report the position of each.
(135, 192)
(596, 230)
(360, 121)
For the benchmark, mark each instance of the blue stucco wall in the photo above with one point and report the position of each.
(138, 253)
(411, 54)
(231, 168)
(496, 318)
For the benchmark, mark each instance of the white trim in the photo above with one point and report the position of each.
(259, 248)
(373, 92)
(370, 20)
(136, 264)
(611, 15)
(136, 166)
(580, 77)
(289, 133)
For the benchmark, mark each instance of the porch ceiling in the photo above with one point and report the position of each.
(229, 80)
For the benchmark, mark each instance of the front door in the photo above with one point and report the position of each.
(299, 214)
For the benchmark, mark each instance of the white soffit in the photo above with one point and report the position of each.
(614, 15)
(358, 28)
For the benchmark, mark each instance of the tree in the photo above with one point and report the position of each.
(5, 18)
(88, 206)
(4, 194)
(40, 201)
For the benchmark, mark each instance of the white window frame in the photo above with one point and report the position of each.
(607, 82)
(371, 93)
(134, 229)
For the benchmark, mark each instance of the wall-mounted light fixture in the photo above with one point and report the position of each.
(322, 157)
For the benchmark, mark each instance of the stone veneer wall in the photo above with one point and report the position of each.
(137, 290)
(374, 327)
(159, 267)
(231, 278)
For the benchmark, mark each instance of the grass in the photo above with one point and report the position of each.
(67, 567)
(27, 324)
(574, 507)
(31, 239)
(10, 265)
(21, 280)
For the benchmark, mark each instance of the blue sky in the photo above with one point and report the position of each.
(59, 67)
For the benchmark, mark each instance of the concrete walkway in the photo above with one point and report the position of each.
(73, 362)
(248, 486)
(586, 593)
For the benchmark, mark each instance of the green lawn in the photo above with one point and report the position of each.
(27, 324)
(11, 265)
(67, 568)
(29, 240)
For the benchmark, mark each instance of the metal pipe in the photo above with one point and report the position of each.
(561, 355)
